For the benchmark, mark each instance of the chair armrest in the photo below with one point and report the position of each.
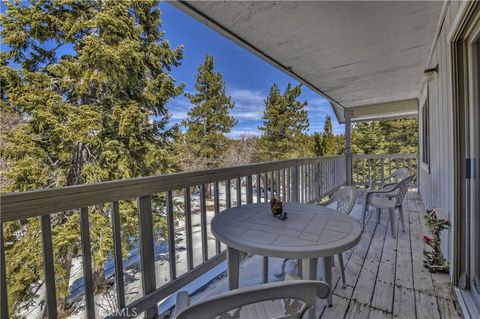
(389, 185)
(328, 202)
(370, 193)
(181, 303)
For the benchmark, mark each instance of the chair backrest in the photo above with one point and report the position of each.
(402, 187)
(345, 198)
(400, 174)
(219, 306)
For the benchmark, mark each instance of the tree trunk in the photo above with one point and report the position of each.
(99, 280)
(63, 281)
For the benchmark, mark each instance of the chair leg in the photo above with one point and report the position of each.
(392, 221)
(379, 210)
(364, 214)
(400, 212)
(342, 269)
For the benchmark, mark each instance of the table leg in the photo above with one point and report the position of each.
(327, 273)
(309, 269)
(233, 264)
(309, 272)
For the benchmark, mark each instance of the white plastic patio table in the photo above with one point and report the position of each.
(310, 232)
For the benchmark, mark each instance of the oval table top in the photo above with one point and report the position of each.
(310, 231)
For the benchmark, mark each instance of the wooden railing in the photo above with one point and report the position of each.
(303, 180)
(378, 168)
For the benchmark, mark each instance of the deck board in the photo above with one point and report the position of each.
(386, 277)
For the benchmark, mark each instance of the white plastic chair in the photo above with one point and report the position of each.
(345, 199)
(391, 198)
(393, 179)
(294, 298)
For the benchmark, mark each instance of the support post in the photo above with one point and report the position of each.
(348, 148)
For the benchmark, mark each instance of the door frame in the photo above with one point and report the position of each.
(463, 33)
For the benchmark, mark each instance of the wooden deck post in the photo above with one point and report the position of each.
(348, 143)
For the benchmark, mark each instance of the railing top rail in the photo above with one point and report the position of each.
(21, 205)
(389, 156)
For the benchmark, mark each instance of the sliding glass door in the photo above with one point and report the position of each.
(473, 174)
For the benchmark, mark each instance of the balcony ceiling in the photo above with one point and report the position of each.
(365, 56)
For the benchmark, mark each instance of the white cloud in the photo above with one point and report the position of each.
(248, 96)
(249, 104)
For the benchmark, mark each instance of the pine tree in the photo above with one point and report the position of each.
(209, 119)
(329, 145)
(368, 138)
(401, 135)
(90, 90)
(317, 144)
(285, 123)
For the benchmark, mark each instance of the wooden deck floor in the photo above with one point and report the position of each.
(386, 277)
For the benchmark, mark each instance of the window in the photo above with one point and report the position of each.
(426, 132)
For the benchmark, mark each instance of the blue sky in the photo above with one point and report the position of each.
(248, 78)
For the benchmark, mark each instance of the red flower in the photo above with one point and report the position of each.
(426, 238)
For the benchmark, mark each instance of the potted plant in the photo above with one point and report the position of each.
(434, 259)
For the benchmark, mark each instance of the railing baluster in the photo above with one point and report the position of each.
(203, 222)
(87, 262)
(312, 180)
(304, 182)
(382, 171)
(249, 191)
(313, 191)
(300, 184)
(364, 177)
(3, 277)
(289, 184)
(265, 269)
(295, 184)
(371, 169)
(332, 179)
(228, 193)
(48, 263)
(239, 191)
(265, 187)
(147, 255)
(216, 208)
(389, 169)
(284, 186)
(277, 184)
(117, 255)
(172, 256)
(188, 226)
(272, 180)
(259, 195)
(307, 183)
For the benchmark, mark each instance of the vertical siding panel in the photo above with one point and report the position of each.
(437, 187)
